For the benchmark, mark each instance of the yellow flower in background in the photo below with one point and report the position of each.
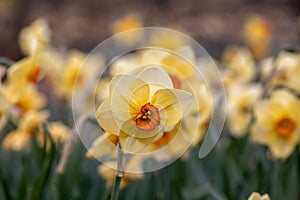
(277, 123)
(287, 72)
(178, 62)
(127, 23)
(27, 70)
(240, 65)
(168, 41)
(59, 131)
(257, 196)
(72, 72)
(19, 138)
(125, 64)
(28, 99)
(35, 38)
(240, 100)
(141, 107)
(257, 35)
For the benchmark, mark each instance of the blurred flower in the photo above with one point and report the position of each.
(240, 65)
(75, 70)
(59, 132)
(167, 40)
(266, 68)
(23, 101)
(257, 34)
(27, 70)
(277, 123)
(127, 23)
(35, 38)
(141, 107)
(19, 138)
(257, 196)
(287, 70)
(125, 64)
(240, 101)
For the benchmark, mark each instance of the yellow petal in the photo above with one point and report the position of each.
(172, 104)
(101, 147)
(105, 118)
(135, 145)
(16, 141)
(156, 77)
(122, 89)
(282, 149)
(32, 119)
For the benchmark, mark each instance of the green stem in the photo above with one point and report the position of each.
(119, 174)
(116, 187)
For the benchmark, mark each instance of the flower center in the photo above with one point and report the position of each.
(148, 118)
(285, 127)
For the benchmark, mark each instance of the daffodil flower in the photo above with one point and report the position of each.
(257, 196)
(19, 139)
(35, 37)
(141, 106)
(278, 123)
(241, 98)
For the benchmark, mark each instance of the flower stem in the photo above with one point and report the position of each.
(119, 174)
(116, 187)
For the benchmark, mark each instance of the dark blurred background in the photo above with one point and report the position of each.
(83, 24)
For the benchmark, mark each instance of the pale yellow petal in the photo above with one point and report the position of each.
(134, 145)
(121, 91)
(105, 118)
(172, 104)
(156, 77)
(281, 150)
(101, 147)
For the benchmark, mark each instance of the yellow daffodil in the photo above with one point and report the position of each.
(59, 132)
(127, 23)
(257, 196)
(28, 70)
(35, 38)
(28, 99)
(287, 72)
(125, 64)
(19, 138)
(167, 40)
(257, 34)
(73, 72)
(141, 106)
(240, 100)
(240, 63)
(277, 123)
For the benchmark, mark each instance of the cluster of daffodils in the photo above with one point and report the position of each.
(262, 94)
(29, 86)
(152, 104)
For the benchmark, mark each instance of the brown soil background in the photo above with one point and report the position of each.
(83, 24)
